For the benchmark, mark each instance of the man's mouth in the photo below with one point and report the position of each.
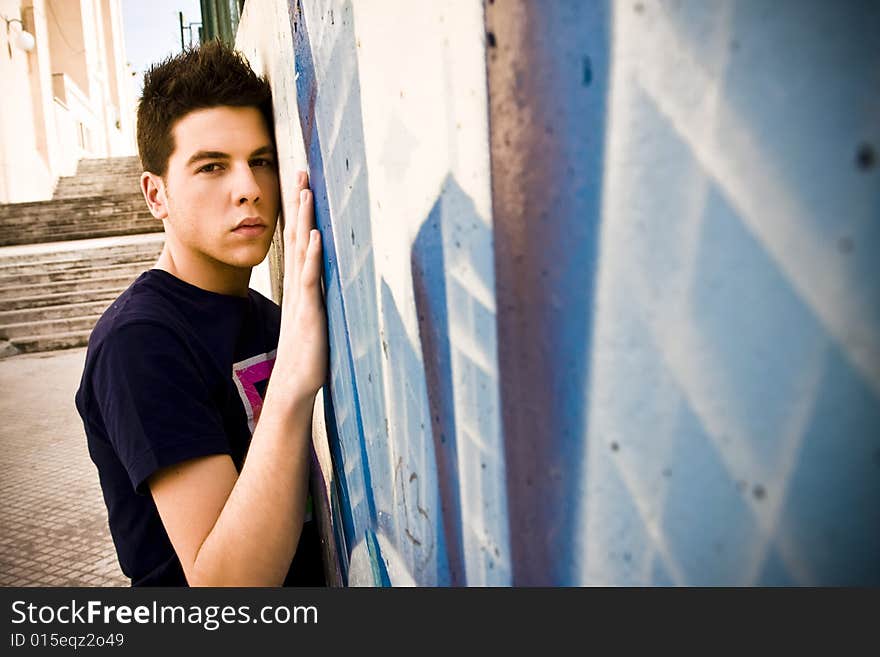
(250, 222)
(250, 226)
(250, 229)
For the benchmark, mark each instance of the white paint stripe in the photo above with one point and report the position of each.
(756, 192)
(464, 345)
(771, 508)
(467, 277)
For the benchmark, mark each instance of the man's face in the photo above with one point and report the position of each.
(221, 188)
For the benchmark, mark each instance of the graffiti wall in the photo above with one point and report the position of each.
(602, 286)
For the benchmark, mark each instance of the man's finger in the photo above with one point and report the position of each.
(311, 272)
(305, 222)
(291, 264)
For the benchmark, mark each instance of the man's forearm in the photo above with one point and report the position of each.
(255, 537)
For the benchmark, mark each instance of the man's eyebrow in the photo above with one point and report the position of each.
(219, 155)
(207, 155)
(263, 150)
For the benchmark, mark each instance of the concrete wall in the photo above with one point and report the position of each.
(120, 99)
(602, 286)
(42, 105)
(68, 41)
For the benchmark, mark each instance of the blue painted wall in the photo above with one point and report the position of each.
(627, 330)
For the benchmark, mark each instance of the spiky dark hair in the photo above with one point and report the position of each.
(210, 75)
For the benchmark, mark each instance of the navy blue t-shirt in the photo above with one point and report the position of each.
(174, 372)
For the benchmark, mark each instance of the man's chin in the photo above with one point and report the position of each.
(249, 258)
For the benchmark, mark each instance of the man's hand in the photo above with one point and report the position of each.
(301, 362)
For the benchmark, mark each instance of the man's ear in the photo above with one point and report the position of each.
(153, 188)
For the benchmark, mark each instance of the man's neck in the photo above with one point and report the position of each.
(205, 273)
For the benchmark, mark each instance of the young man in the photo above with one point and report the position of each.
(204, 467)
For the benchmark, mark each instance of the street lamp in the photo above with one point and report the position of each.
(23, 39)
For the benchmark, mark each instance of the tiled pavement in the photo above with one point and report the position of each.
(53, 522)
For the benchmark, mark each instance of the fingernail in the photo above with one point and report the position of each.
(304, 195)
(313, 235)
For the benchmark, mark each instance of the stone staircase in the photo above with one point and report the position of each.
(101, 200)
(107, 176)
(75, 218)
(63, 261)
(51, 300)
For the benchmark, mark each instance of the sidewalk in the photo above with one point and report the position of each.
(53, 522)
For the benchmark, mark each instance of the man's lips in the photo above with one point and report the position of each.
(250, 231)
(249, 222)
(250, 226)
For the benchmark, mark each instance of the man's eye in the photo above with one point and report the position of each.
(209, 168)
(261, 162)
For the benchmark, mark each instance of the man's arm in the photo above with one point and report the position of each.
(231, 529)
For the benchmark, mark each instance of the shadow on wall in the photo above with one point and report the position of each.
(428, 267)
(451, 261)
(412, 523)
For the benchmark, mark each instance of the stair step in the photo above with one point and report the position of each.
(58, 298)
(68, 193)
(127, 182)
(54, 225)
(82, 264)
(87, 163)
(144, 244)
(48, 327)
(80, 191)
(27, 207)
(68, 340)
(55, 228)
(53, 236)
(60, 311)
(103, 214)
(98, 177)
(76, 220)
(83, 272)
(118, 172)
(43, 289)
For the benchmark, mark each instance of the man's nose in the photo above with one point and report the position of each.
(246, 189)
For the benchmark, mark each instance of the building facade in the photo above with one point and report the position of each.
(67, 92)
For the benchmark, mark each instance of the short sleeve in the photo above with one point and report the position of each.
(154, 402)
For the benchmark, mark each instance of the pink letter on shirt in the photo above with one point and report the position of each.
(246, 374)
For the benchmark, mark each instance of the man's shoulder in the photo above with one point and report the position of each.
(139, 323)
(141, 304)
